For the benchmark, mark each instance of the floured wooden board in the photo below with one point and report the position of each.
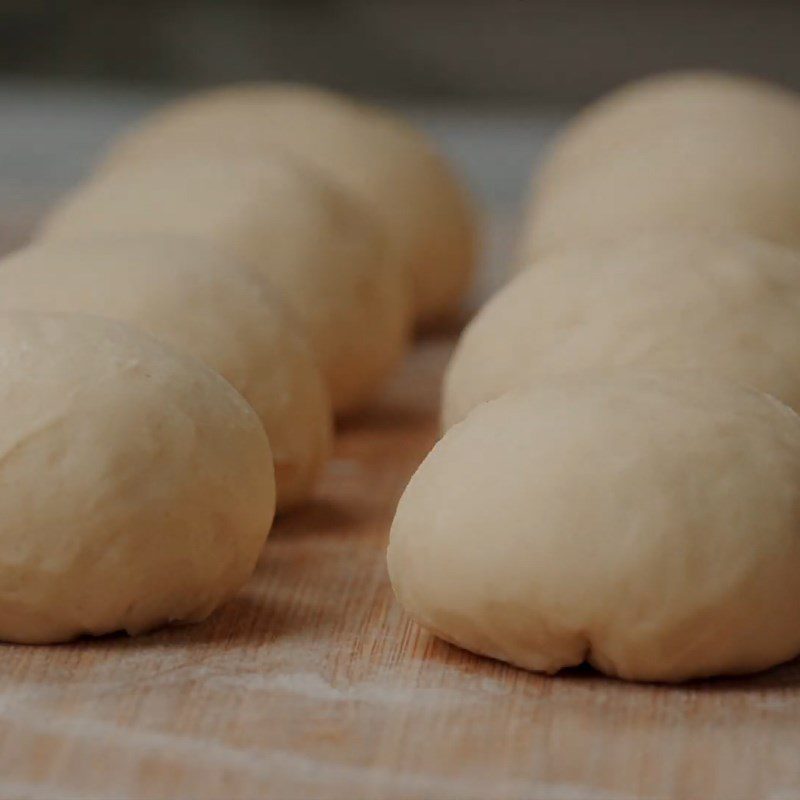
(313, 684)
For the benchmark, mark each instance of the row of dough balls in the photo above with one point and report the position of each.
(620, 477)
(180, 334)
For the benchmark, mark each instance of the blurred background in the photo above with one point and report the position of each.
(491, 51)
(490, 79)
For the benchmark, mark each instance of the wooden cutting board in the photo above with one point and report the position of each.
(313, 684)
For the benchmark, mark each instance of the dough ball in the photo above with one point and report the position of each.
(646, 524)
(391, 166)
(201, 303)
(322, 251)
(720, 303)
(137, 485)
(689, 150)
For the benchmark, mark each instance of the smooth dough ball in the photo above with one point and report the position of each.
(199, 302)
(137, 485)
(391, 166)
(321, 250)
(699, 150)
(646, 524)
(719, 303)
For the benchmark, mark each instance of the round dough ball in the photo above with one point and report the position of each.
(645, 524)
(322, 251)
(392, 167)
(687, 150)
(199, 302)
(720, 303)
(137, 483)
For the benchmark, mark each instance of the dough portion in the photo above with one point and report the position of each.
(724, 304)
(644, 523)
(137, 485)
(395, 170)
(691, 150)
(321, 250)
(200, 302)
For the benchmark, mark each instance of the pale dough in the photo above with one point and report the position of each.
(392, 167)
(321, 250)
(698, 150)
(646, 524)
(200, 302)
(137, 485)
(719, 303)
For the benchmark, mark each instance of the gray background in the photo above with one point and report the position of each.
(490, 51)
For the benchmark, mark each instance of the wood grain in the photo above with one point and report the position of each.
(313, 684)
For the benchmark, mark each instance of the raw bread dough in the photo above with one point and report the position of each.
(719, 303)
(199, 302)
(320, 249)
(699, 150)
(647, 524)
(391, 166)
(137, 485)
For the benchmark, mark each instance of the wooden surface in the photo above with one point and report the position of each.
(313, 684)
